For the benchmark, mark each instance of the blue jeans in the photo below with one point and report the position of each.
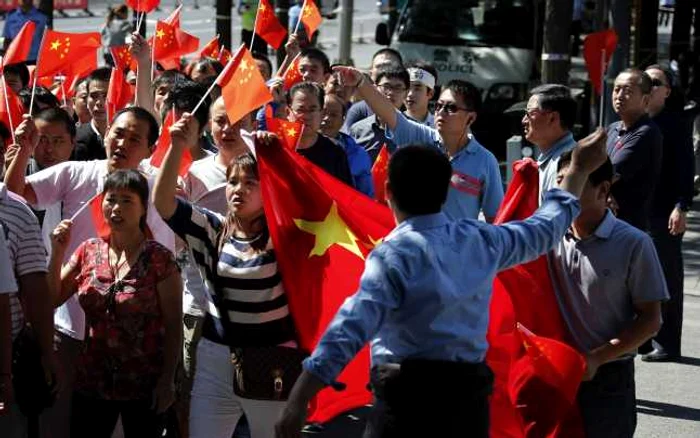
(608, 403)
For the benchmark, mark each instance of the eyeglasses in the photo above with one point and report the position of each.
(391, 88)
(450, 108)
(530, 113)
(658, 83)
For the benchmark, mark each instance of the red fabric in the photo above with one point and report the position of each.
(119, 93)
(211, 49)
(242, 86)
(292, 75)
(380, 171)
(288, 132)
(21, 45)
(15, 110)
(524, 404)
(225, 56)
(142, 5)
(268, 27)
(163, 144)
(310, 17)
(170, 42)
(593, 46)
(295, 192)
(60, 50)
(98, 218)
(174, 18)
(123, 59)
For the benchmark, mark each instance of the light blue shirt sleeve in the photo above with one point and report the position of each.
(358, 319)
(408, 132)
(522, 241)
(493, 196)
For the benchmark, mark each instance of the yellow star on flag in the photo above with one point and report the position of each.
(55, 45)
(160, 34)
(291, 132)
(331, 231)
(244, 65)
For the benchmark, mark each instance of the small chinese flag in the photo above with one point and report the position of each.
(98, 218)
(225, 56)
(288, 132)
(310, 17)
(14, 111)
(163, 144)
(171, 42)
(242, 86)
(293, 75)
(322, 231)
(143, 5)
(211, 49)
(119, 93)
(122, 58)
(268, 26)
(21, 45)
(174, 18)
(60, 50)
(380, 171)
(598, 48)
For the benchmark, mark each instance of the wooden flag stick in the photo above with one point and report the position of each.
(301, 13)
(9, 112)
(286, 67)
(84, 206)
(36, 70)
(224, 71)
(602, 88)
(255, 27)
(153, 52)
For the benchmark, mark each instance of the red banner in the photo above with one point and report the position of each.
(8, 5)
(70, 4)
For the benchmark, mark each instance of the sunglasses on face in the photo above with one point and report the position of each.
(450, 108)
(657, 83)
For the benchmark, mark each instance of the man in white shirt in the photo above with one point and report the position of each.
(8, 286)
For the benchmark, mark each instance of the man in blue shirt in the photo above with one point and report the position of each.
(16, 19)
(476, 179)
(423, 302)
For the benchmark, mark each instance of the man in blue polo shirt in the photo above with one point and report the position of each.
(16, 19)
(476, 179)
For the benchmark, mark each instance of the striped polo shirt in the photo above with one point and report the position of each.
(240, 281)
(24, 243)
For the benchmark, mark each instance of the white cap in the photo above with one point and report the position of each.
(424, 77)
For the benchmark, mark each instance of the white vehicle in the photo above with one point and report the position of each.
(486, 42)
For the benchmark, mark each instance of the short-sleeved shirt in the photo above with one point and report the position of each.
(24, 244)
(15, 21)
(636, 155)
(8, 284)
(245, 283)
(123, 355)
(476, 179)
(548, 162)
(74, 183)
(329, 157)
(369, 134)
(600, 277)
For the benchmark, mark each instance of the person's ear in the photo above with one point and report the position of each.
(604, 190)
(430, 93)
(471, 118)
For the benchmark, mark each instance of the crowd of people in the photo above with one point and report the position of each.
(140, 323)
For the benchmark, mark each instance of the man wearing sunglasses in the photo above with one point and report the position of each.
(476, 180)
(547, 123)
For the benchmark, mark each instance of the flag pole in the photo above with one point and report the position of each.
(153, 52)
(38, 58)
(221, 52)
(224, 71)
(602, 88)
(63, 90)
(84, 206)
(255, 27)
(301, 13)
(286, 69)
(9, 112)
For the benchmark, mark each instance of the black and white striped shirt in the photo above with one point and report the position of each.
(240, 281)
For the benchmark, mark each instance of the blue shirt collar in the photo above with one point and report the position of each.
(419, 223)
(469, 148)
(605, 228)
(556, 149)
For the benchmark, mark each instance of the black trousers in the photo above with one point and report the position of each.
(669, 250)
(96, 418)
(430, 398)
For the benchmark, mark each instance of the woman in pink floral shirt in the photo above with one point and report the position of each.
(129, 287)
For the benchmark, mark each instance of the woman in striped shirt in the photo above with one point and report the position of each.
(247, 306)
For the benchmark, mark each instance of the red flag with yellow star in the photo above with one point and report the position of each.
(225, 56)
(211, 49)
(292, 75)
(242, 86)
(380, 170)
(171, 42)
(119, 93)
(123, 59)
(59, 50)
(21, 45)
(322, 231)
(288, 132)
(310, 17)
(267, 26)
(163, 144)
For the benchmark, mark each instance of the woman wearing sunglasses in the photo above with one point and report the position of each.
(130, 289)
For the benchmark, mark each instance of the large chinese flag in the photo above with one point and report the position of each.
(525, 402)
(242, 86)
(21, 45)
(322, 231)
(60, 50)
(268, 26)
(310, 17)
(598, 48)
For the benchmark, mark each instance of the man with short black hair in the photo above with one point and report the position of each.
(634, 147)
(89, 143)
(547, 124)
(16, 76)
(609, 285)
(43, 98)
(314, 66)
(423, 302)
(422, 88)
(476, 183)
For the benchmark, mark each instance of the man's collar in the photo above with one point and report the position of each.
(420, 223)
(562, 144)
(644, 119)
(605, 228)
